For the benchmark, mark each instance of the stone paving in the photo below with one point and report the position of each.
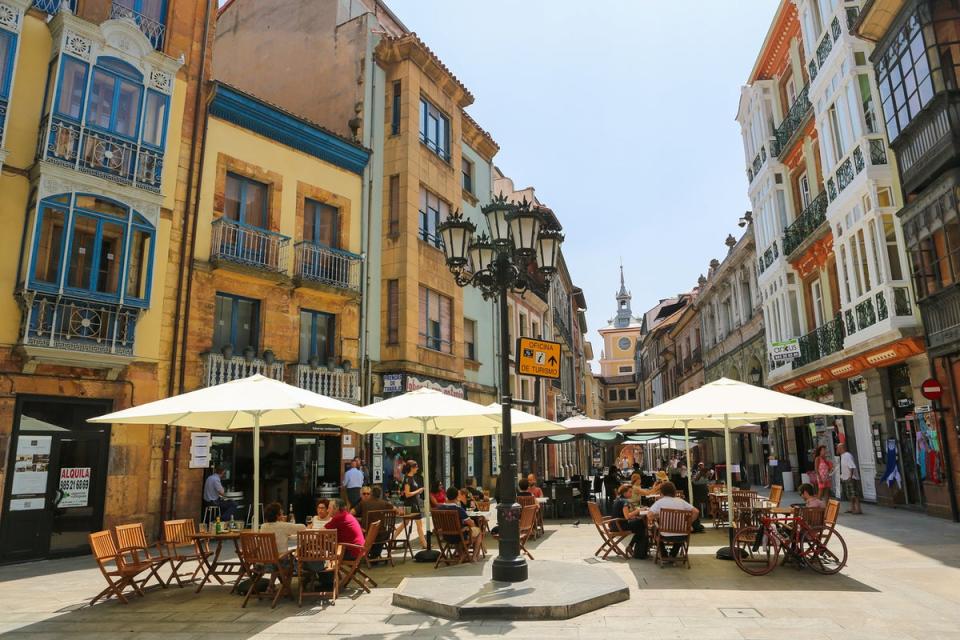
(901, 581)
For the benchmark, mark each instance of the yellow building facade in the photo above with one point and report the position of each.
(618, 375)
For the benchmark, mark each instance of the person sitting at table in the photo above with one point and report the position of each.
(472, 488)
(630, 518)
(281, 529)
(669, 500)
(639, 493)
(456, 500)
(523, 488)
(534, 490)
(371, 500)
(700, 475)
(346, 525)
(438, 494)
(213, 495)
(364, 496)
(323, 515)
(810, 497)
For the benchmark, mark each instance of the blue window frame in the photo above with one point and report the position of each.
(92, 247)
(116, 93)
(155, 113)
(71, 88)
(434, 129)
(245, 201)
(8, 41)
(321, 224)
(317, 332)
(236, 322)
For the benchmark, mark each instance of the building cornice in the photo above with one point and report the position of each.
(875, 18)
(477, 138)
(411, 47)
(256, 115)
(775, 53)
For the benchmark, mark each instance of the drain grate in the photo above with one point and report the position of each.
(746, 612)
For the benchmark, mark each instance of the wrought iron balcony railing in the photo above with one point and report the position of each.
(806, 223)
(151, 28)
(852, 14)
(100, 154)
(796, 116)
(250, 246)
(3, 116)
(218, 368)
(941, 317)
(334, 383)
(771, 254)
(824, 49)
(319, 263)
(820, 342)
(53, 6)
(758, 162)
(901, 301)
(866, 316)
(930, 142)
(78, 325)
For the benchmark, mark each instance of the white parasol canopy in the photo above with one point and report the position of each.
(246, 403)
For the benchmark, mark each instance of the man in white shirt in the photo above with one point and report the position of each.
(849, 479)
(669, 500)
(353, 482)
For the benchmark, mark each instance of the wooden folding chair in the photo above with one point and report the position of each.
(318, 553)
(528, 527)
(119, 571)
(776, 494)
(673, 527)
(452, 541)
(259, 554)
(133, 539)
(181, 547)
(400, 538)
(527, 501)
(350, 567)
(388, 525)
(611, 537)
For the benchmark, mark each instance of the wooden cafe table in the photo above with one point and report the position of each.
(216, 568)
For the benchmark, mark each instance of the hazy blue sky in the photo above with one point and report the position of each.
(621, 114)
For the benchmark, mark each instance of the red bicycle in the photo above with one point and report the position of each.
(757, 549)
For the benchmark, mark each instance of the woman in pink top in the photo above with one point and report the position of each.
(347, 527)
(824, 470)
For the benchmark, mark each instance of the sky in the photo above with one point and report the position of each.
(621, 114)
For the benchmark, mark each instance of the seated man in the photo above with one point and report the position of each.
(532, 487)
(281, 530)
(347, 527)
(669, 500)
(213, 495)
(634, 521)
(472, 489)
(373, 502)
(456, 499)
(523, 488)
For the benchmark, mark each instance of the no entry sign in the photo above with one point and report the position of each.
(931, 389)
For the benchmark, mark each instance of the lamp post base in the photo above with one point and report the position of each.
(510, 569)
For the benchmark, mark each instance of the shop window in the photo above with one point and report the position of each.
(317, 332)
(469, 339)
(393, 311)
(8, 41)
(434, 129)
(86, 249)
(435, 321)
(236, 322)
(432, 211)
(320, 223)
(245, 201)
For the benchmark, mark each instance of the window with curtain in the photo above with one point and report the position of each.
(89, 251)
(71, 88)
(113, 104)
(433, 210)
(236, 322)
(435, 321)
(245, 201)
(155, 118)
(317, 332)
(8, 41)
(321, 223)
(434, 129)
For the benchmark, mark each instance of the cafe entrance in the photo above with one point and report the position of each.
(56, 481)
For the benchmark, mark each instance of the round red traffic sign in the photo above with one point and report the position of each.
(931, 389)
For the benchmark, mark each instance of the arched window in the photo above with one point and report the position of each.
(92, 247)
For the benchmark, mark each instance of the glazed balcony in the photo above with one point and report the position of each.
(930, 142)
(769, 256)
(78, 325)
(875, 309)
(224, 367)
(941, 319)
(251, 247)
(806, 224)
(820, 343)
(872, 150)
(798, 113)
(151, 28)
(100, 154)
(335, 382)
(759, 160)
(325, 265)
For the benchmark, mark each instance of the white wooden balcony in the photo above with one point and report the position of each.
(335, 383)
(219, 369)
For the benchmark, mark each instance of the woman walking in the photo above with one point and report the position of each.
(823, 468)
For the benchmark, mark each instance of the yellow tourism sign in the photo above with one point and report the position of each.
(538, 358)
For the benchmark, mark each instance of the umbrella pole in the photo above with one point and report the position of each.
(729, 457)
(255, 503)
(686, 436)
(426, 480)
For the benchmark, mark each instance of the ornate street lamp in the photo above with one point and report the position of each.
(521, 245)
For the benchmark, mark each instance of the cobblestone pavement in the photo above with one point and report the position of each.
(901, 581)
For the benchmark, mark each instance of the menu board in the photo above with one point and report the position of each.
(30, 470)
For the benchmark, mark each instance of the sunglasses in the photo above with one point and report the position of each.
(365, 493)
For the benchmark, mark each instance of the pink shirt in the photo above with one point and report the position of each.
(348, 531)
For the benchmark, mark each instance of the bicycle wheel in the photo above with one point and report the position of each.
(823, 557)
(755, 551)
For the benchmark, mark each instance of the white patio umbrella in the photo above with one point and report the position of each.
(725, 404)
(246, 403)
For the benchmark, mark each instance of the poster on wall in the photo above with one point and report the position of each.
(74, 487)
(470, 468)
(495, 455)
(377, 469)
(200, 450)
(30, 470)
(446, 460)
(377, 444)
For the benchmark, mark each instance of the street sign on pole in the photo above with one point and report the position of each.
(931, 389)
(538, 358)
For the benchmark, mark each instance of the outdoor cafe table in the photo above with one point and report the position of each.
(480, 518)
(217, 567)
